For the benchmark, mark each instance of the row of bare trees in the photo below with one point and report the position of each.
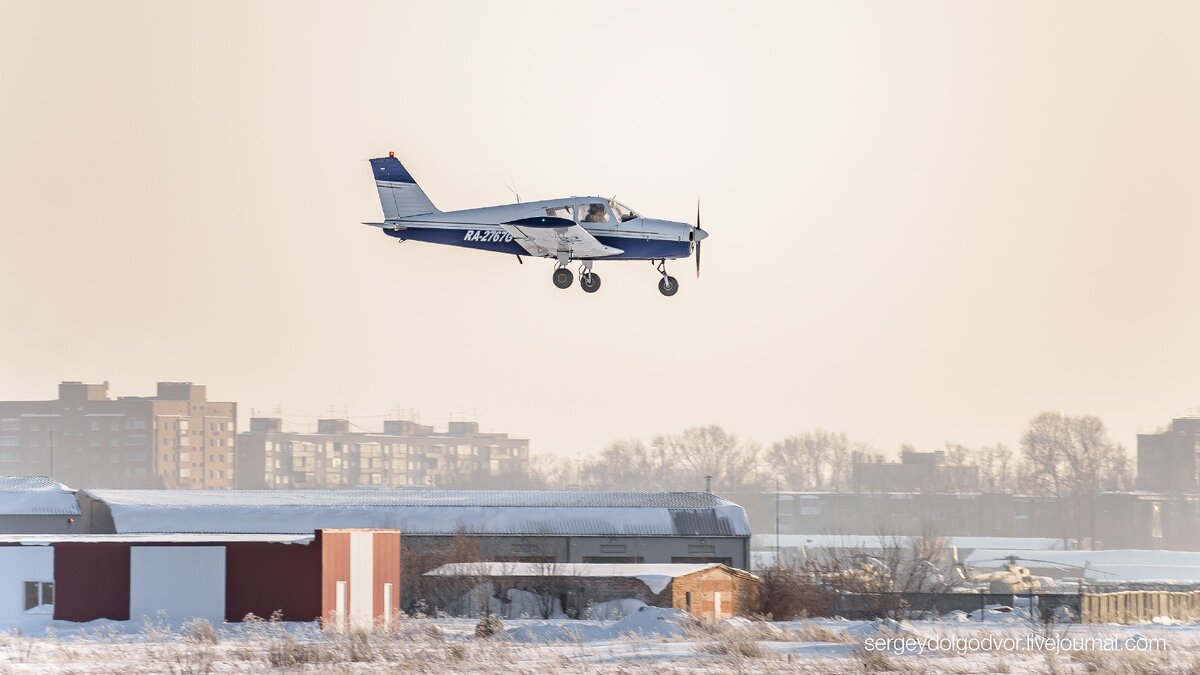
(1059, 455)
(1067, 459)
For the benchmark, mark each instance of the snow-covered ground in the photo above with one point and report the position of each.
(649, 640)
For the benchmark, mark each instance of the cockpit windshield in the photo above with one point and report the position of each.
(623, 212)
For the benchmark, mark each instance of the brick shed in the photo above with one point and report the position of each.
(711, 590)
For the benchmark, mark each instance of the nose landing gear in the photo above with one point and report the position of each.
(668, 286)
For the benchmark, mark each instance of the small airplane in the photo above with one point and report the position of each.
(584, 229)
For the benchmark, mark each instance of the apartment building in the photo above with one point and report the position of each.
(174, 439)
(1169, 460)
(404, 454)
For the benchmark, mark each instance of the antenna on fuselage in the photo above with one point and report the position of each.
(513, 189)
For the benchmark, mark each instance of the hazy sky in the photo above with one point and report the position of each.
(929, 221)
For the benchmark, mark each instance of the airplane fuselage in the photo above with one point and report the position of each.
(640, 238)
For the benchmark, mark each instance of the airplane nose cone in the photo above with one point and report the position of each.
(700, 234)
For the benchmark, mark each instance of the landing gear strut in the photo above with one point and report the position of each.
(668, 286)
(589, 281)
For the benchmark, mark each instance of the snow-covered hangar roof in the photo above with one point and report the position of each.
(36, 496)
(422, 511)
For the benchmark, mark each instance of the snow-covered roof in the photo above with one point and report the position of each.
(424, 511)
(1110, 565)
(656, 577)
(179, 538)
(36, 496)
(872, 541)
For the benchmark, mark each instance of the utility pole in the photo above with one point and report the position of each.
(778, 551)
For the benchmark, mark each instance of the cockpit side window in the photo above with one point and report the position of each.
(625, 213)
(561, 212)
(593, 213)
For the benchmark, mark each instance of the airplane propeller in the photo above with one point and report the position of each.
(698, 235)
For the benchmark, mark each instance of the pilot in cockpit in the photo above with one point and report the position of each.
(595, 214)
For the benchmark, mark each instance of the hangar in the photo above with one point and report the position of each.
(37, 504)
(519, 525)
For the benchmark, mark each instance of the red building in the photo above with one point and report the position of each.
(342, 577)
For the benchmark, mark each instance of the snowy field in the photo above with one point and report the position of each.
(651, 640)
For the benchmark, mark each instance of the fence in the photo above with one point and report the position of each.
(1139, 606)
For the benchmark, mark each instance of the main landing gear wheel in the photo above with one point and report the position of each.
(589, 282)
(563, 278)
(668, 286)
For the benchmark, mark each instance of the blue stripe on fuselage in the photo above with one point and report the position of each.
(482, 239)
(637, 248)
(499, 241)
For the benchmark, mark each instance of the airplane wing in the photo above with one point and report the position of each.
(547, 236)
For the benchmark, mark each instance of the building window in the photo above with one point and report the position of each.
(615, 559)
(38, 594)
(697, 560)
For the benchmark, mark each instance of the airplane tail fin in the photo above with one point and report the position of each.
(398, 192)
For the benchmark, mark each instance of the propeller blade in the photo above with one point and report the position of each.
(697, 260)
(697, 240)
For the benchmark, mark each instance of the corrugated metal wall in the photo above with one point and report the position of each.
(262, 578)
(91, 581)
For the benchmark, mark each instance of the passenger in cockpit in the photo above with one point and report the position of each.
(595, 214)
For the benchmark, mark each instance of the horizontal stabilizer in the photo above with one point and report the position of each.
(388, 226)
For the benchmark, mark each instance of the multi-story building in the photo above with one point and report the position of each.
(404, 454)
(915, 472)
(175, 439)
(1168, 461)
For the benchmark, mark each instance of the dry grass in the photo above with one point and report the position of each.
(810, 631)
(877, 662)
(200, 631)
(428, 646)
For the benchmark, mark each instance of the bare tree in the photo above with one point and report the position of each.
(997, 473)
(896, 577)
(811, 460)
(627, 464)
(709, 451)
(554, 586)
(1071, 459)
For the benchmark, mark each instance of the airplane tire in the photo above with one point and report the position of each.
(590, 283)
(563, 277)
(668, 286)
